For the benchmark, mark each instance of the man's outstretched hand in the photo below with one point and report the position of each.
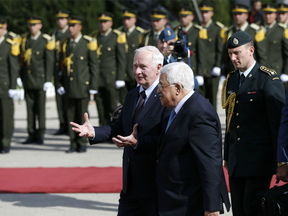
(130, 140)
(86, 129)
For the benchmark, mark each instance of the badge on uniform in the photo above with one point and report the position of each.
(253, 92)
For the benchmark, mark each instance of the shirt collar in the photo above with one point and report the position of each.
(2, 39)
(77, 39)
(271, 26)
(188, 27)
(64, 30)
(181, 103)
(248, 70)
(129, 31)
(36, 36)
(208, 24)
(149, 90)
(243, 28)
(106, 32)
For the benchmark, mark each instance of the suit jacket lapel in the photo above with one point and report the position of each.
(131, 104)
(151, 100)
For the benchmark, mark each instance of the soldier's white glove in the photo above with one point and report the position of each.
(93, 92)
(200, 80)
(47, 85)
(119, 84)
(284, 77)
(12, 93)
(216, 71)
(19, 82)
(61, 90)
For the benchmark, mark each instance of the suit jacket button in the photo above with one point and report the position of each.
(113, 72)
(71, 78)
(237, 101)
(238, 126)
(238, 139)
(237, 114)
(29, 71)
(251, 100)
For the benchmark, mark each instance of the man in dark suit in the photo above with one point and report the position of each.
(37, 62)
(141, 106)
(80, 77)
(282, 151)
(253, 97)
(189, 172)
(60, 35)
(10, 67)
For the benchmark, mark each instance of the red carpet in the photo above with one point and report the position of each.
(61, 180)
(66, 180)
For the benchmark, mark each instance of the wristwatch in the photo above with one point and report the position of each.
(281, 163)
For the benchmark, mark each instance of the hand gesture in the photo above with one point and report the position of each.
(86, 130)
(130, 140)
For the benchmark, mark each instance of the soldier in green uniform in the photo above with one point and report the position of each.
(276, 36)
(186, 17)
(133, 34)
(158, 20)
(80, 77)
(10, 67)
(37, 61)
(283, 14)
(210, 45)
(240, 15)
(111, 54)
(60, 35)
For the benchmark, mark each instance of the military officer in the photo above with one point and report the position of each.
(80, 77)
(111, 53)
(186, 17)
(253, 97)
(10, 67)
(37, 61)
(133, 34)
(210, 45)
(240, 15)
(60, 35)
(159, 21)
(283, 14)
(276, 37)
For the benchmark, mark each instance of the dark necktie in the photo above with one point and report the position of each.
(139, 106)
(242, 77)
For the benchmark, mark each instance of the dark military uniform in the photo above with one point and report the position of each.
(112, 63)
(80, 74)
(60, 99)
(37, 58)
(210, 45)
(132, 44)
(257, 34)
(253, 113)
(150, 37)
(10, 67)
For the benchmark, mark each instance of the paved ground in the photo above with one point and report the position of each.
(52, 154)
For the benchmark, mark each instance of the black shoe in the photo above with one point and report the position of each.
(5, 150)
(61, 131)
(71, 150)
(29, 140)
(81, 149)
(40, 141)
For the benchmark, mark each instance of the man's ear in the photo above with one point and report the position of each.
(178, 87)
(159, 66)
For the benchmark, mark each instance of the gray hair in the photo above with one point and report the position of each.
(157, 56)
(181, 73)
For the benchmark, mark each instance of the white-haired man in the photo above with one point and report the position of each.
(141, 106)
(189, 173)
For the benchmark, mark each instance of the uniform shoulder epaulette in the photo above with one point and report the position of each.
(15, 48)
(147, 31)
(24, 34)
(121, 28)
(94, 33)
(47, 37)
(233, 71)
(230, 27)
(141, 30)
(282, 25)
(198, 26)
(269, 71)
(255, 26)
(88, 37)
(13, 35)
(222, 26)
(11, 41)
(117, 31)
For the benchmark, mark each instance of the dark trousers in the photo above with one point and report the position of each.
(244, 191)
(6, 122)
(35, 103)
(106, 101)
(210, 88)
(76, 107)
(61, 105)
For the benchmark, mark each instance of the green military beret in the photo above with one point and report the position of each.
(238, 39)
(269, 8)
(157, 14)
(33, 19)
(75, 20)
(205, 6)
(185, 11)
(240, 8)
(282, 8)
(3, 20)
(62, 13)
(105, 16)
